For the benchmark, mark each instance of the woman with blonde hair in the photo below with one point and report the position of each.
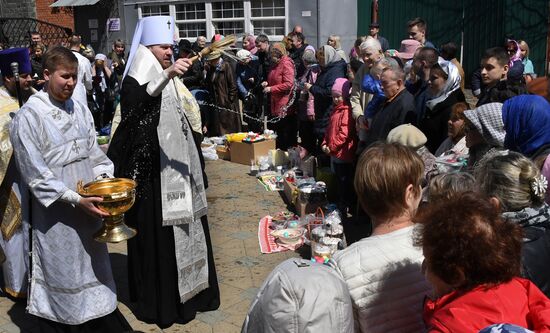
(334, 41)
(528, 69)
(383, 271)
(517, 187)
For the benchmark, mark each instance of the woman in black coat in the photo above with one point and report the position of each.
(332, 68)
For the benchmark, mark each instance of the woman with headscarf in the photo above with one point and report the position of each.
(280, 84)
(306, 105)
(484, 132)
(332, 68)
(249, 43)
(444, 88)
(515, 66)
(527, 123)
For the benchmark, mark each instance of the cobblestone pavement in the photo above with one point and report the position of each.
(236, 204)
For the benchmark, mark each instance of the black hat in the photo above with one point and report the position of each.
(374, 25)
(185, 45)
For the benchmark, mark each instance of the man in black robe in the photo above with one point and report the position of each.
(140, 150)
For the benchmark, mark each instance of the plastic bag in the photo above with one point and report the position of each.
(209, 152)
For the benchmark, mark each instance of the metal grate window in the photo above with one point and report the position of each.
(228, 9)
(191, 11)
(229, 28)
(206, 18)
(263, 8)
(155, 10)
(191, 30)
(269, 28)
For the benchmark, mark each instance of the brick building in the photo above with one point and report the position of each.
(63, 16)
(38, 9)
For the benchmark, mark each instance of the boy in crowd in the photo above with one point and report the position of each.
(494, 75)
(417, 31)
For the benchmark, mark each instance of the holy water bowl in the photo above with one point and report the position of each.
(118, 196)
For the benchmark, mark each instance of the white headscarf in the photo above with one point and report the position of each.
(452, 83)
(330, 55)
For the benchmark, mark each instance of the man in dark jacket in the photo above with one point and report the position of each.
(421, 66)
(397, 110)
(494, 75)
(262, 43)
(298, 47)
(194, 76)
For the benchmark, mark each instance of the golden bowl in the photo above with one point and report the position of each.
(118, 196)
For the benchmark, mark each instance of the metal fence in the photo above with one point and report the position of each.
(482, 23)
(16, 32)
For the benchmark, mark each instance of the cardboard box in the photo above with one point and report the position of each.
(223, 153)
(243, 152)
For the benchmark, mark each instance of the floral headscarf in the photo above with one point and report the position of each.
(251, 43)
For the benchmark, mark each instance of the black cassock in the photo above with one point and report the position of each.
(152, 270)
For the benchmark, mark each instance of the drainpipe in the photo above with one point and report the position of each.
(374, 11)
(318, 23)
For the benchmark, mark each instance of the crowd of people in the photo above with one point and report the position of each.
(453, 197)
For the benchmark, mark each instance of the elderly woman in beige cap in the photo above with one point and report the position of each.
(222, 86)
(410, 136)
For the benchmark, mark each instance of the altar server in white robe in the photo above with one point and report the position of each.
(71, 283)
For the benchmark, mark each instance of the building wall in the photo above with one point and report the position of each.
(63, 16)
(17, 8)
(100, 13)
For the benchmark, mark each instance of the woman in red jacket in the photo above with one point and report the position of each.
(473, 260)
(280, 84)
(340, 142)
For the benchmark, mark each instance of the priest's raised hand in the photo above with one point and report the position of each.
(179, 67)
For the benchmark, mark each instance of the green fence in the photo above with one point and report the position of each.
(484, 24)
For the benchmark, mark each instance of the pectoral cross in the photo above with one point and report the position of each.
(169, 23)
(76, 147)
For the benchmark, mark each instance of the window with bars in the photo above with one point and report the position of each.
(228, 9)
(263, 8)
(229, 28)
(210, 17)
(191, 30)
(155, 10)
(269, 28)
(191, 11)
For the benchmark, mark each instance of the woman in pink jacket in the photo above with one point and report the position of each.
(280, 84)
(340, 142)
